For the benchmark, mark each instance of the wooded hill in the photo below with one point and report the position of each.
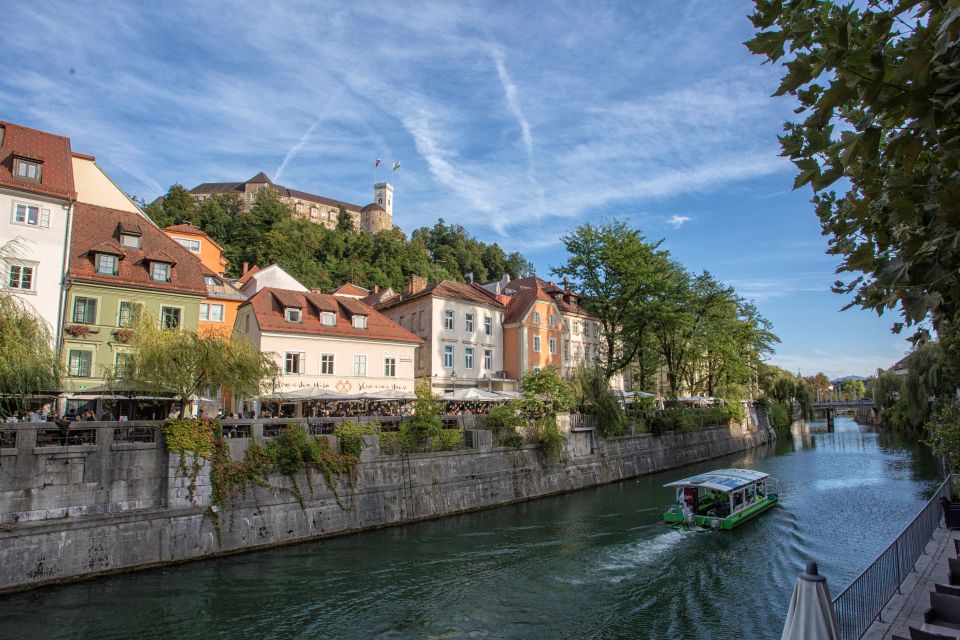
(268, 233)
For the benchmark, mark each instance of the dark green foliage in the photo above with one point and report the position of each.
(350, 435)
(944, 433)
(326, 258)
(780, 418)
(879, 92)
(597, 399)
(685, 419)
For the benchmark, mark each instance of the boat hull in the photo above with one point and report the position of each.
(676, 516)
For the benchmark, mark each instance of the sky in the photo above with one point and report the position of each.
(518, 120)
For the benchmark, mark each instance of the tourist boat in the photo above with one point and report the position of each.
(721, 499)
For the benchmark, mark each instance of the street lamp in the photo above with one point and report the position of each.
(453, 378)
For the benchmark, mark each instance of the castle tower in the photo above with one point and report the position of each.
(383, 196)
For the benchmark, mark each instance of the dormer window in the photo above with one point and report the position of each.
(211, 281)
(328, 319)
(2, 131)
(107, 264)
(129, 240)
(292, 314)
(160, 272)
(193, 246)
(24, 169)
(359, 322)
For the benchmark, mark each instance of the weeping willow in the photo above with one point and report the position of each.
(597, 398)
(28, 363)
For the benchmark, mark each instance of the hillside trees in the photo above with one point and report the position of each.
(317, 256)
(878, 86)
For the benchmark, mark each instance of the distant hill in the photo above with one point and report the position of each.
(319, 257)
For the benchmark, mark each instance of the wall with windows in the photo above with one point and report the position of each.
(535, 342)
(97, 325)
(336, 363)
(217, 316)
(34, 273)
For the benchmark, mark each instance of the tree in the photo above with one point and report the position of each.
(178, 360)
(624, 280)
(28, 363)
(878, 84)
(819, 385)
(344, 221)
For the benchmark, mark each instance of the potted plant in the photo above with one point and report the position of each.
(124, 336)
(77, 330)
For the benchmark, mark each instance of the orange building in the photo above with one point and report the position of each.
(533, 332)
(218, 311)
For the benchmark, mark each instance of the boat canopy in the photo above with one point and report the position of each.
(724, 480)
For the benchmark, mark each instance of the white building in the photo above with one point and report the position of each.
(462, 330)
(36, 207)
(255, 279)
(328, 342)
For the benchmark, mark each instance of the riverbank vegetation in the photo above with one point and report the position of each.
(28, 363)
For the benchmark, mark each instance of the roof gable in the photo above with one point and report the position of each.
(53, 151)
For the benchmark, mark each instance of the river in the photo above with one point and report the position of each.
(592, 564)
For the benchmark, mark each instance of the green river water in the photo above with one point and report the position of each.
(592, 564)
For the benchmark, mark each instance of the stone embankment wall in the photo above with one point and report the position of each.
(113, 499)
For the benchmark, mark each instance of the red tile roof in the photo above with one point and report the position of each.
(56, 173)
(350, 289)
(567, 301)
(521, 303)
(93, 225)
(269, 314)
(249, 274)
(189, 229)
(450, 290)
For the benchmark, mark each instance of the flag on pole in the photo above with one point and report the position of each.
(377, 163)
(396, 165)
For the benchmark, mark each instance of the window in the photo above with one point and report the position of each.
(390, 367)
(211, 312)
(291, 314)
(127, 314)
(552, 320)
(566, 349)
(193, 246)
(328, 319)
(420, 321)
(246, 324)
(359, 365)
(536, 344)
(107, 264)
(488, 359)
(84, 310)
(129, 240)
(359, 322)
(160, 271)
(553, 345)
(27, 169)
(488, 325)
(576, 328)
(31, 215)
(20, 277)
(536, 317)
(80, 363)
(468, 358)
(468, 322)
(293, 362)
(448, 319)
(122, 361)
(170, 317)
(210, 281)
(448, 357)
(326, 364)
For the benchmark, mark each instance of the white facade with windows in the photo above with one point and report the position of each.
(33, 229)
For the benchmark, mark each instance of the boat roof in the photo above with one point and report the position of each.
(721, 480)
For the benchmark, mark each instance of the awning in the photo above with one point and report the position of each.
(724, 480)
(473, 395)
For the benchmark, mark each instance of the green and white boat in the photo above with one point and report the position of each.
(721, 499)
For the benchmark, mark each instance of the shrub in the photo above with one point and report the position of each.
(350, 435)
(598, 399)
(780, 419)
(944, 434)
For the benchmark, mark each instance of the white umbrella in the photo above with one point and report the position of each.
(472, 395)
(811, 615)
(387, 394)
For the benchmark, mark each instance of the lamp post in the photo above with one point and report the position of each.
(453, 378)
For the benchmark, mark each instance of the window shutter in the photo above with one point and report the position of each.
(45, 218)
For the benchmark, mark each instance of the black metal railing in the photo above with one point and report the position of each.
(861, 602)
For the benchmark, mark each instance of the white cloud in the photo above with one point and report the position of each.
(676, 221)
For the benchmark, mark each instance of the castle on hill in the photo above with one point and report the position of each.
(374, 217)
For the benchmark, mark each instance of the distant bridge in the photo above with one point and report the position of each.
(842, 404)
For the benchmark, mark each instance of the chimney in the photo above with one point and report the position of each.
(468, 277)
(246, 267)
(416, 285)
(566, 282)
(316, 290)
(376, 288)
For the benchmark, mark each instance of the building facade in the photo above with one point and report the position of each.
(373, 218)
(533, 333)
(37, 196)
(462, 331)
(329, 342)
(121, 265)
(218, 310)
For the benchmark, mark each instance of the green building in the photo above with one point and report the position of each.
(121, 264)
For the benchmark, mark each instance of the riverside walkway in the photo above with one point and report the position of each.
(906, 608)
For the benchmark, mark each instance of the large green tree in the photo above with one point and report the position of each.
(878, 87)
(625, 281)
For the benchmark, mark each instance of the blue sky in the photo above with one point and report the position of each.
(517, 120)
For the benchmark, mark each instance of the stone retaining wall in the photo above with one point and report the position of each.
(117, 512)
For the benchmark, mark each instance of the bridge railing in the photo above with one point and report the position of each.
(861, 602)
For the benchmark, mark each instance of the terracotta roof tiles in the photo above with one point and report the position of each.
(56, 173)
(350, 289)
(94, 225)
(269, 315)
(450, 290)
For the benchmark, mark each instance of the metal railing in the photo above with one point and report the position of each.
(861, 602)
